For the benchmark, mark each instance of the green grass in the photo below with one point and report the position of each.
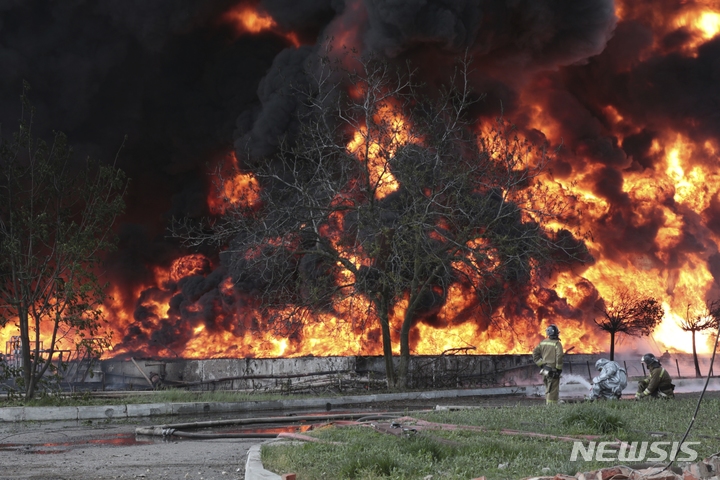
(363, 453)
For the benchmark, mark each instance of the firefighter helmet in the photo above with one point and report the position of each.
(552, 331)
(649, 359)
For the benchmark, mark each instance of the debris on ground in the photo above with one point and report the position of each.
(708, 469)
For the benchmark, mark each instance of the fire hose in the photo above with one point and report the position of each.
(359, 418)
(169, 430)
(697, 407)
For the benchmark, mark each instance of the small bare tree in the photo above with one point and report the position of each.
(698, 321)
(629, 313)
(386, 198)
(56, 216)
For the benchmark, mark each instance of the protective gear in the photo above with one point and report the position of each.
(549, 353)
(649, 359)
(658, 384)
(611, 381)
(552, 331)
(550, 372)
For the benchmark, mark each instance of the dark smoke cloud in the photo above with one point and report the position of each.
(508, 40)
(261, 128)
(168, 74)
(664, 90)
(526, 32)
(303, 16)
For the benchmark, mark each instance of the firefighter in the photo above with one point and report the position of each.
(611, 381)
(658, 383)
(548, 355)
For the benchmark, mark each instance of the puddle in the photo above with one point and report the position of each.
(119, 439)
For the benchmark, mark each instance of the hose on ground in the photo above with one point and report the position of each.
(173, 429)
(697, 407)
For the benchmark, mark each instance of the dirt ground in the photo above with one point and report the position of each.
(111, 450)
(69, 450)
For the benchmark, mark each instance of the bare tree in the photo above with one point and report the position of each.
(629, 313)
(55, 221)
(383, 200)
(698, 321)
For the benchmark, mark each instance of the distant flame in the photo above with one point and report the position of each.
(249, 19)
(236, 189)
(369, 149)
(196, 264)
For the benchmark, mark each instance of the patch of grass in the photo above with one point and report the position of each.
(591, 419)
(379, 464)
(422, 446)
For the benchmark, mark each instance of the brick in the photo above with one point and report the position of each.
(627, 471)
(714, 463)
(608, 473)
(699, 470)
(587, 475)
(288, 476)
(689, 476)
(666, 475)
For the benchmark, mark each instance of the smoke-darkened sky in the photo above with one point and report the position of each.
(167, 74)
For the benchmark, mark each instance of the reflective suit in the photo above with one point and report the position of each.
(550, 352)
(658, 384)
(611, 381)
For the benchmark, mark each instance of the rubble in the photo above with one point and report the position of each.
(707, 469)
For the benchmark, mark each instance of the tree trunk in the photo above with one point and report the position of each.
(404, 352)
(612, 345)
(695, 358)
(388, 355)
(383, 307)
(25, 348)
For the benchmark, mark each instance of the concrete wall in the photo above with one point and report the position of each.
(346, 373)
(233, 373)
(445, 371)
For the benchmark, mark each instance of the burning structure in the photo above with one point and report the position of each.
(623, 92)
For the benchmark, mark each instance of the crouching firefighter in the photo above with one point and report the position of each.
(548, 355)
(611, 381)
(658, 383)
